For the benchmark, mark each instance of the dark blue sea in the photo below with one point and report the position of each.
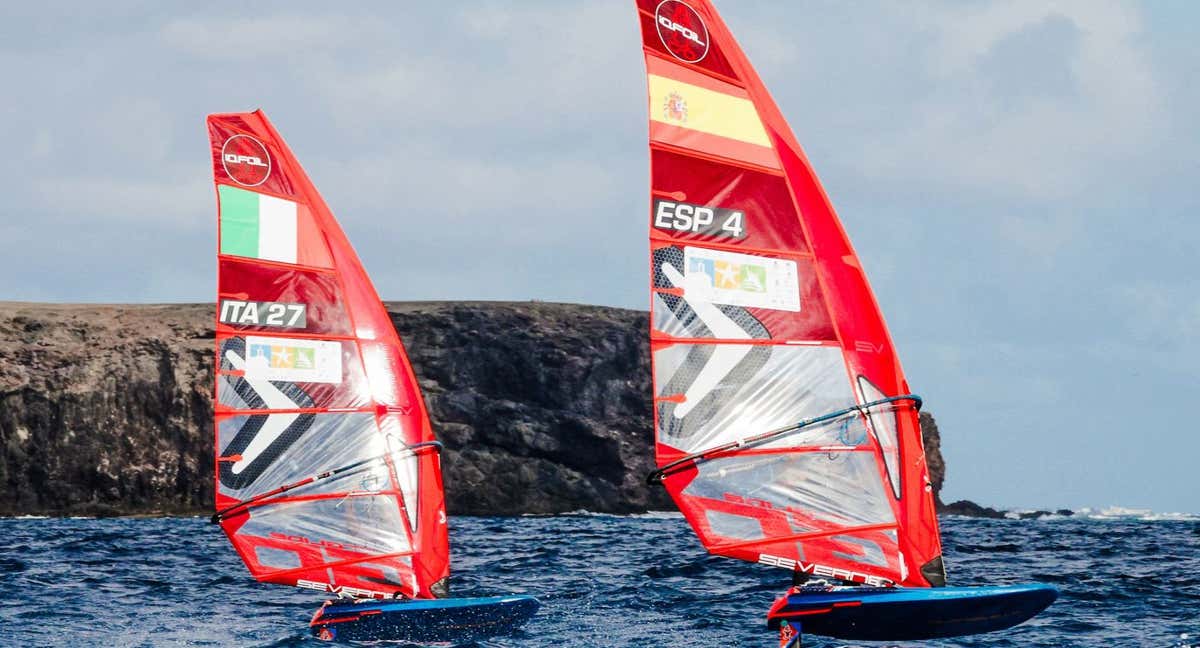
(1126, 580)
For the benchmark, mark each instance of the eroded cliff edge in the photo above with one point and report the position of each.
(543, 408)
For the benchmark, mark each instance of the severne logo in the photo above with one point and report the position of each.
(246, 160)
(340, 590)
(823, 570)
(681, 30)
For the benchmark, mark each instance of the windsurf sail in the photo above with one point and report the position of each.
(327, 470)
(785, 429)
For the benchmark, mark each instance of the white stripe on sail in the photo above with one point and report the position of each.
(276, 229)
(724, 356)
(275, 423)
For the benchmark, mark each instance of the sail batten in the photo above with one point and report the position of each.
(326, 468)
(762, 319)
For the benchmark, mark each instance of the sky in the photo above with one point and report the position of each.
(1018, 178)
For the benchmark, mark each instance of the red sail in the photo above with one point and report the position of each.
(762, 320)
(327, 471)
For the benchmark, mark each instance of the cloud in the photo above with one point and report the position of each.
(1052, 141)
(1157, 313)
(1010, 100)
(250, 39)
(120, 199)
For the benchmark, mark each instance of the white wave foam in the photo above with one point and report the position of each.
(659, 515)
(1115, 513)
(1143, 515)
(653, 515)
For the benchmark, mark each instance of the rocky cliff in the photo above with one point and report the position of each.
(543, 408)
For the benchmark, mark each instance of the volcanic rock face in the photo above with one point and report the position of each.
(105, 409)
(933, 454)
(543, 408)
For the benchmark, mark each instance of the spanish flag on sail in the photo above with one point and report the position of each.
(697, 112)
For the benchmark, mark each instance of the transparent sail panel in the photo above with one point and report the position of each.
(369, 524)
(735, 526)
(883, 422)
(841, 488)
(330, 441)
(721, 393)
(406, 466)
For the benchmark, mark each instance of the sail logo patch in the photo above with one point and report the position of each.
(246, 160)
(294, 360)
(256, 313)
(681, 31)
(720, 277)
(698, 219)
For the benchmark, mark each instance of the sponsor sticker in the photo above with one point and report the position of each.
(681, 30)
(676, 216)
(256, 313)
(294, 360)
(720, 277)
(246, 160)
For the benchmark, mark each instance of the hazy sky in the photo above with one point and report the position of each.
(1019, 179)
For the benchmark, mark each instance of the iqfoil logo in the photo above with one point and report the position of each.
(246, 160)
(681, 31)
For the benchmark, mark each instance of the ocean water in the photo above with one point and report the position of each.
(1127, 579)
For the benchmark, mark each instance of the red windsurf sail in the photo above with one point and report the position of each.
(327, 471)
(785, 428)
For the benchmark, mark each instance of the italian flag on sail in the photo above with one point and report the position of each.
(259, 226)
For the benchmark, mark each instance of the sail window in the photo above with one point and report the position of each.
(841, 488)
(366, 524)
(277, 558)
(883, 423)
(737, 527)
(764, 387)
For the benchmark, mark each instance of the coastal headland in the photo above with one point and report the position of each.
(543, 408)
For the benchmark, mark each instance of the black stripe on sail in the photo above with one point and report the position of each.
(254, 423)
(718, 399)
